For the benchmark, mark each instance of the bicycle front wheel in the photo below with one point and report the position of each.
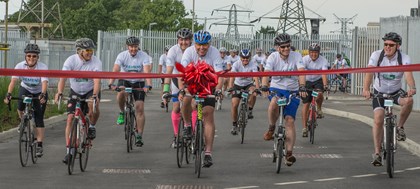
(85, 147)
(33, 143)
(242, 122)
(390, 147)
(179, 144)
(72, 146)
(24, 143)
(312, 124)
(279, 153)
(199, 144)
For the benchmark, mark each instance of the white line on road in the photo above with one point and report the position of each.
(366, 175)
(289, 183)
(243, 187)
(413, 169)
(330, 179)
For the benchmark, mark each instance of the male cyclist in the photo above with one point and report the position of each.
(34, 86)
(284, 60)
(389, 83)
(203, 51)
(245, 64)
(313, 61)
(233, 56)
(226, 61)
(341, 63)
(133, 60)
(162, 69)
(85, 88)
(259, 58)
(175, 53)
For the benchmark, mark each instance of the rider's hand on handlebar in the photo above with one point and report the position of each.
(302, 91)
(57, 97)
(7, 98)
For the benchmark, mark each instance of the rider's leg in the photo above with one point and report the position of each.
(140, 118)
(175, 116)
(406, 108)
(378, 130)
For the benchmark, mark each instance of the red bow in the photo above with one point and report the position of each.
(200, 78)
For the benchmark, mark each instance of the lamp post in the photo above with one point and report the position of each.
(150, 34)
(193, 16)
(5, 46)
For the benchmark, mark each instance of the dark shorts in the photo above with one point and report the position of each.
(344, 75)
(138, 95)
(162, 80)
(71, 104)
(310, 86)
(36, 105)
(380, 102)
(237, 87)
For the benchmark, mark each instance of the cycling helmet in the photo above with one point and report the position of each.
(202, 37)
(233, 50)
(338, 56)
(393, 37)
(314, 47)
(281, 39)
(167, 47)
(184, 33)
(132, 40)
(222, 50)
(32, 48)
(245, 53)
(85, 43)
(259, 50)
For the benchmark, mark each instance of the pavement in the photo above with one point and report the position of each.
(338, 104)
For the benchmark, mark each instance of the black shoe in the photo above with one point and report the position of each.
(250, 116)
(188, 132)
(39, 151)
(234, 130)
(162, 105)
(377, 160)
(208, 161)
(401, 134)
(66, 159)
(91, 133)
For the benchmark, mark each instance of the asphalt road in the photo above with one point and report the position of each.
(340, 157)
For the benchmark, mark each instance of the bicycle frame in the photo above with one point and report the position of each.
(312, 116)
(243, 112)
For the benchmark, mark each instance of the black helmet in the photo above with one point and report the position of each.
(132, 40)
(281, 39)
(85, 43)
(314, 47)
(393, 37)
(32, 48)
(338, 56)
(184, 33)
(245, 53)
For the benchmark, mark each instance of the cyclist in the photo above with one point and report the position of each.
(85, 88)
(162, 69)
(202, 50)
(313, 61)
(226, 60)
(259, 57)
(35, 86)
(341, 63)
(389, 83)
(133, 60)
(284, 60)
(175, 53)
(233, 55)
(245, 64)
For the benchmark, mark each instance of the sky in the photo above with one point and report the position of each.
(366, 11)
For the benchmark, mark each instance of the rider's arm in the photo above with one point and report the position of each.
(411, 83)
(160, 69)
(12, 85)
(96, 86)
(116, 68)
(366, 84)
(147, 69)
(167, 81)
(302, 78)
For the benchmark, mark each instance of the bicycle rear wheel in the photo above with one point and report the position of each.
(219, 104)
(390, 147)
(85, 147)
(312, 124)
(242, 121)
(24, 143)
(127, 128)
(199, 143)
(180, 145)
(72, 146)
(33, 143)
(279, 153)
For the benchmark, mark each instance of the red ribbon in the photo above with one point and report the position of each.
(200, 78)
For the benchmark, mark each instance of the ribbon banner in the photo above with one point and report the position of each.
(126, 75)
(200, 78)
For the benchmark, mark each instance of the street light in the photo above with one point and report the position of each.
(5, 45)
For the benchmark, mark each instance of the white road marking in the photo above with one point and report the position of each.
(243, 187)
(366, 175)
(289, 183)
(330, 179)
(413, 168)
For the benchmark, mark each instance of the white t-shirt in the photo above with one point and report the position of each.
(74, 62)
(339, 64)
(259, 59)
(239, 67)
(233, 59)
(174, 56)
(162, 62)
(212, 58)
(320, 63)
(388, 82)
(135, 63)
(32, 84)
(226, 61)
(292, 63)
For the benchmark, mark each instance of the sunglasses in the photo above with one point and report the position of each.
(284, 46)
(89, 50)
(31, 56)
(389, 44)
(245, 58)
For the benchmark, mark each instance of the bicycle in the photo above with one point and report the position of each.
(279, 151)
(79, 144)
(243, 111)
(336, 84)
(389, 143)
(130, 120)
(219, 100)
(313, 115)
(27, 141)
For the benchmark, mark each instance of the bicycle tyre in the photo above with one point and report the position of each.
(334, 85)
(127, 129)
(199, 148)
(179, 142)
(279, 150)
(85, 147)
(242, 122)
(218, 104)
(72, 146)
(24, 143)
(390, 147)
(33, 143)
(312, 124)
(133, 129)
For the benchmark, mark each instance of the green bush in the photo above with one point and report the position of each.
(10, 119)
